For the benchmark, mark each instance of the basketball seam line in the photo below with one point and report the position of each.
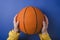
(24, 20)
(36, 20)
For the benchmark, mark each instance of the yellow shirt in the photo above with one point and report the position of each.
(14, 36)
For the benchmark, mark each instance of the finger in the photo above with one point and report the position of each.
(46, 19)
(15, 19)
(44, 24)
(17, 22)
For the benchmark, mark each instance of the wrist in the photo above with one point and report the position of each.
(44, 32)
(16, 30)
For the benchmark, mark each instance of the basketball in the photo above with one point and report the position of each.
(30, 20)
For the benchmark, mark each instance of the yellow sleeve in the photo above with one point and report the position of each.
(44, 36)
(13, 35)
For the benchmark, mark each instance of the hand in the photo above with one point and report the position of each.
(16, 29)
(45, 25)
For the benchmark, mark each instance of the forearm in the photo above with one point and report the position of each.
(13, 35)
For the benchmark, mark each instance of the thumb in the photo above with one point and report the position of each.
(17, 23)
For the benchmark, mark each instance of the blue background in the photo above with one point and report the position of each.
(9, 8)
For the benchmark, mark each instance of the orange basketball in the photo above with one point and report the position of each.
(30, 19)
